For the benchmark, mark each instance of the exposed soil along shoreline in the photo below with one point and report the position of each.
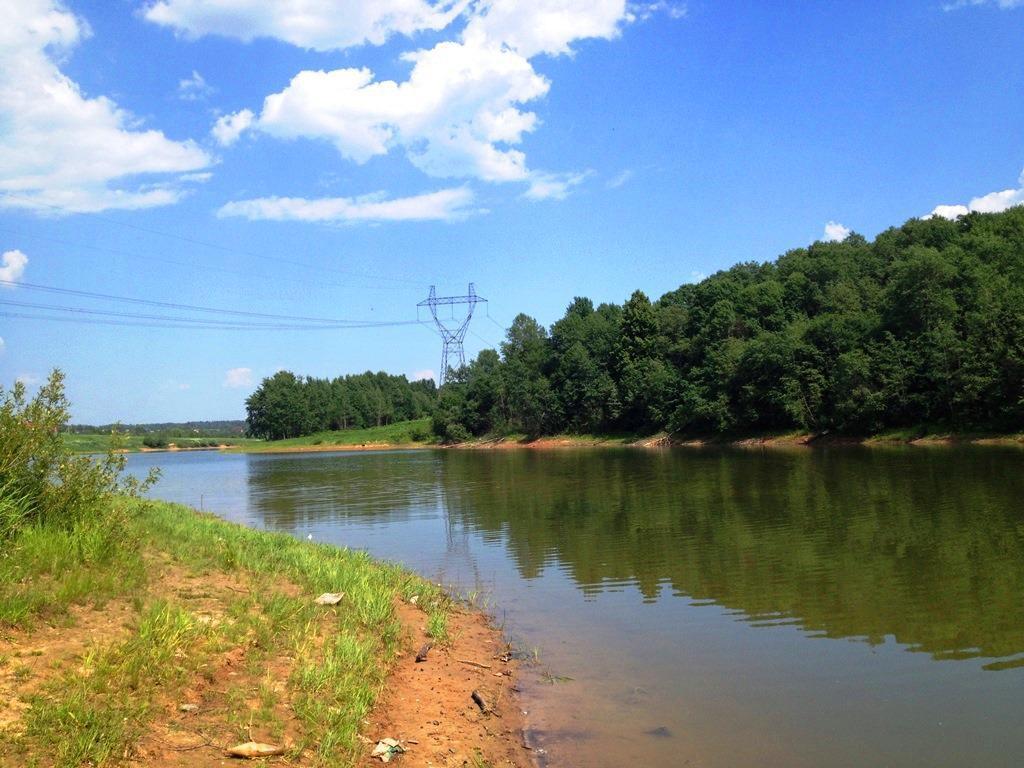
(657, 441)
(459, 706)
(217, 640)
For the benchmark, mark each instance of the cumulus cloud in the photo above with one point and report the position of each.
(835, 232)
(323, 25)
(460, 113)
(456, 115)
(993, 202)
(442, 205)
(3, 345)
(194, 88)
(61, 149)
(544, 26)
(236, 378)
(426, 373)
(228, 128)
(12, 266)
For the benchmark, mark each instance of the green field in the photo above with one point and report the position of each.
(101, 442)
(415, 432)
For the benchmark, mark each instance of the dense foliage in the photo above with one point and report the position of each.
(40, 481)
(925, 325)
(285, 405)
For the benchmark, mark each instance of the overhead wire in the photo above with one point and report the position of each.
(176, 305)
(208, 325)
(199, 321)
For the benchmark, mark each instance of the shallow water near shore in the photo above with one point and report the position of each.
(712, 607)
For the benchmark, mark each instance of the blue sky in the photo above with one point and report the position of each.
(335, 159)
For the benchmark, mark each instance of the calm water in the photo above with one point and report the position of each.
(846, 607)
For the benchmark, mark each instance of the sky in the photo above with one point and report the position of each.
(333, 159)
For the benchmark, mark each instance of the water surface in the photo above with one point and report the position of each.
(841, 607)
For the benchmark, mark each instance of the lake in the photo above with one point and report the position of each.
(700, 607)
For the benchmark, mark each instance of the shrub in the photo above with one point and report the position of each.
(419, 434)
(41, 481)
(155, 441)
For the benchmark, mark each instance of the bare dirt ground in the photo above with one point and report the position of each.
(427, 706)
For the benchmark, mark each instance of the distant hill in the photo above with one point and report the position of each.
(169, 428)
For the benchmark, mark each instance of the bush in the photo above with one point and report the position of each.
(155, 441)
(419, 434)
(41, 481)
(456, 433)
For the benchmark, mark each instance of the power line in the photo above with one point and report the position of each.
(189, 320)
(200, 325)
(175, 305)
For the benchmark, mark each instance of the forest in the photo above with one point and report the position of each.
(922, 326)
(285, 405)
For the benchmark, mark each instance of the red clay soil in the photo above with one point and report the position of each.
(428, 706)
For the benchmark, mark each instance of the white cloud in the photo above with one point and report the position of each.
(455, 116)
(459, 113)
(619, 179)
(835, 232)
(61, 149)
(236, 378)
(228, 128)
(322, 25)
(194, 88)
(553, 186)
(644, 11)
(697, 276)
(426, 373)
(442, 205)
(12, 266)
(28, 379)
(544, 26)
(1004, 4)
(3, 345)
(993, 202)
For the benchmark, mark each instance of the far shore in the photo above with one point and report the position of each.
(335, 442)
(654, 441)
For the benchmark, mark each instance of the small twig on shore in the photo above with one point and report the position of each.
(474, 663)
(481, 702)
(422, 655)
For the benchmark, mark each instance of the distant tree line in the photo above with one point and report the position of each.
(924, 325)
(285, 405)
(168, 429)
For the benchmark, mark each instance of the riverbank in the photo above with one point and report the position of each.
(169, 636)
(414, 435)
(662, 440)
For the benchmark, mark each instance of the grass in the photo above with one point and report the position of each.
(437, 626)
(101, 443)
(338, 657)
(400, 433)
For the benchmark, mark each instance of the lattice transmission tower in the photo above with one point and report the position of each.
(452, 338)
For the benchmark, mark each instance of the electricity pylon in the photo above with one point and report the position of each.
(451, 337)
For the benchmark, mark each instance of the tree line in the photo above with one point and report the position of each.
(922, 326)
(285, 405)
